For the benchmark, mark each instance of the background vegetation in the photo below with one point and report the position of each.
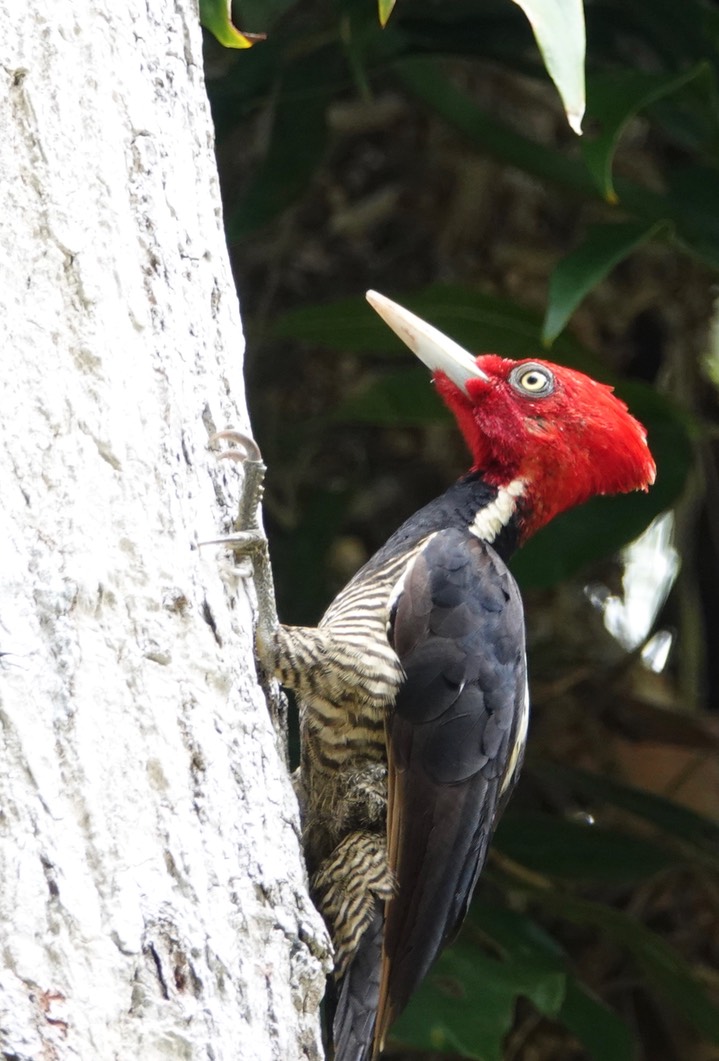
(432, 161)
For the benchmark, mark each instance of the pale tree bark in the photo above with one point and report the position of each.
(152, 897)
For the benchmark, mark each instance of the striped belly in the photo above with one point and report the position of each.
(342, 729)
(346, 675)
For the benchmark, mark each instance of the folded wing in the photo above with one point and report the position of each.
(455, 741)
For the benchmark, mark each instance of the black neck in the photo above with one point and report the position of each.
(456, 507)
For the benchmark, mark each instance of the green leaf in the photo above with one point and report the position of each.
(489, 137)
(481, 322)
(669, 974)
(402, 399)
(605, 1035)
(384, 10)
(520, 939)
(347, 324)
(216, 16)
(558, 26)
(576, 275)
(694, 191)
(572, 850)
(495, 32)
(528, 958)
(466, 1004)
(426, 80)
(614, 98)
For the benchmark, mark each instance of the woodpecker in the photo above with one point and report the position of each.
(412, 689)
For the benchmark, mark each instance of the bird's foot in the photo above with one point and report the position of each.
(249, 540)
(365, 797)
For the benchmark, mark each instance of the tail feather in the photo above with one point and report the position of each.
(358, 996)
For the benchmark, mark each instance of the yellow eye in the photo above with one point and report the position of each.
(532, 380)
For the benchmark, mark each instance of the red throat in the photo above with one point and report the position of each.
(570, 444)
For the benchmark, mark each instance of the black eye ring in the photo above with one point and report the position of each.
(532, 380)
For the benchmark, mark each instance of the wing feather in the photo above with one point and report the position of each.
(458, 630)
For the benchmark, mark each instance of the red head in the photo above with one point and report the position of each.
(563, 435)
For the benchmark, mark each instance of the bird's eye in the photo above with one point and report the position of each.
(534, 381)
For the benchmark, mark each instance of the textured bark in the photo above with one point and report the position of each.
(152, 896)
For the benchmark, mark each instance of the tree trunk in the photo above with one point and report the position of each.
(152, 897)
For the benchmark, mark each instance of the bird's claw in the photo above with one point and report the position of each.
(248, 451)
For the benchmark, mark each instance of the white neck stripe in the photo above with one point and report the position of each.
(495, 516)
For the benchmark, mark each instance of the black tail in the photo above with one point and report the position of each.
(357, 995)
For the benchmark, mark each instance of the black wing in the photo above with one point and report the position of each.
(455, 740)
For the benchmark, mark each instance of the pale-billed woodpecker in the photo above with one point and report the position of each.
(412, 689)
